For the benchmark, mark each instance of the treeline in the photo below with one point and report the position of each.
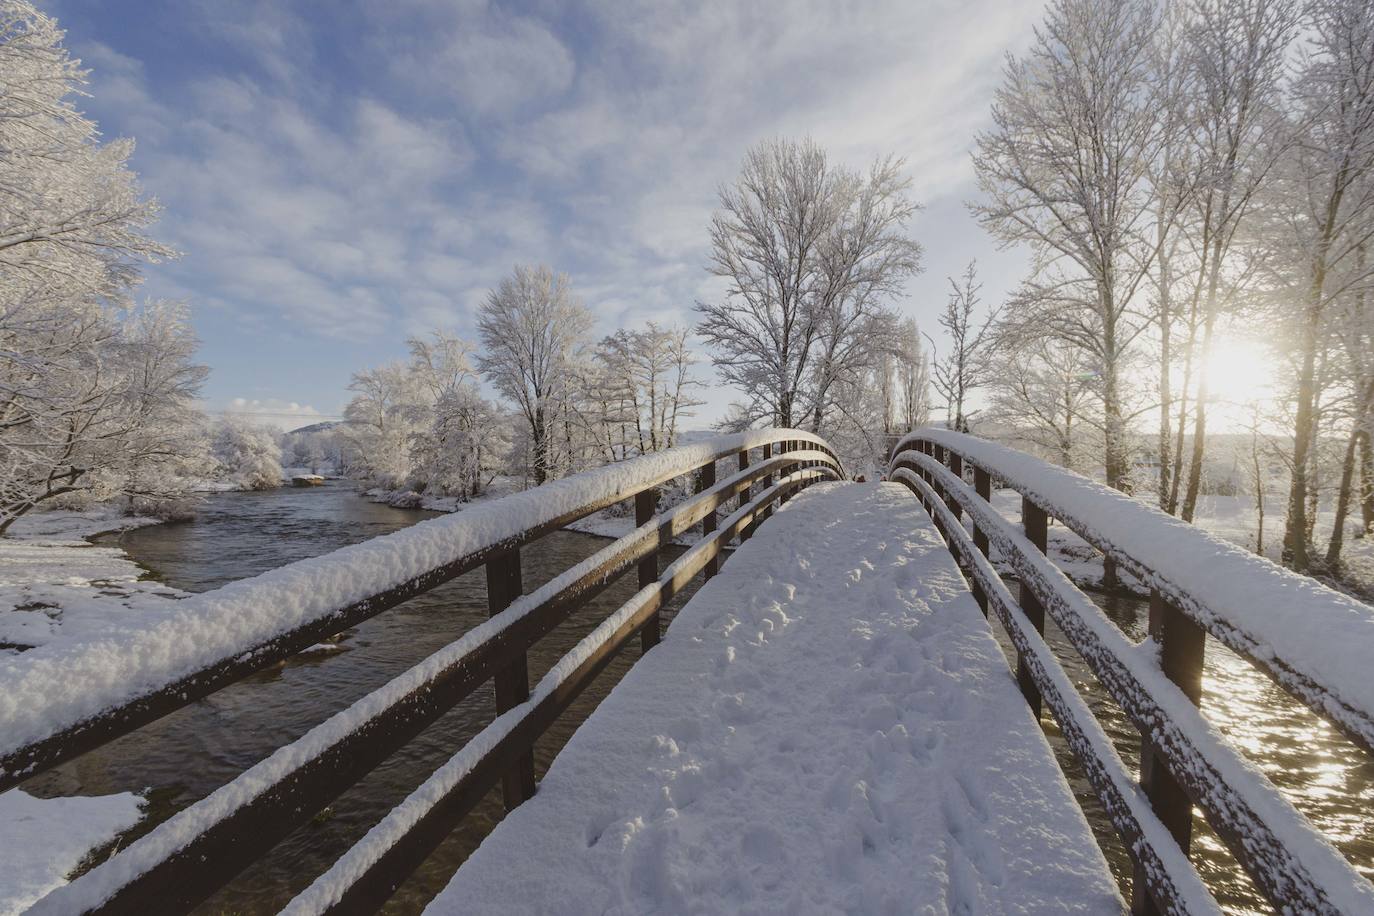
(1180, 171)
(569, 401)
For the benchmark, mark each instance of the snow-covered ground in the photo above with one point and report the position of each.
(828, 726)
(45, 838)
(56, 586)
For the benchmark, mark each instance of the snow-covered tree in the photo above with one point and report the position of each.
(532, 328)
(1065, 169)
(809, 252)
(640, 389)
(249, 456)
(1236, 49)
(1325, 197)
(968, 360)
(93, 392)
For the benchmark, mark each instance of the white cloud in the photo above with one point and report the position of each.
(279, 414)
(368, 204)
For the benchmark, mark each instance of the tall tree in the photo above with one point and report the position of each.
(1327, 193)
(967, 364)
(532, 328)
(1237, 50)
(1064, 169)
(809, 252)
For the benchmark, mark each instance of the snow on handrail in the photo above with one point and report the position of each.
(50, 692)
(1312, 640)
(1287, 857)
(1175, 884)
(300, 777)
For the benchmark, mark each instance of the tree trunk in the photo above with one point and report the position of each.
(1165, 390)
(1333, 547)
(1367, 475)
(1295, 546)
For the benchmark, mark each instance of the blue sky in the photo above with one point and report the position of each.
(341, 175)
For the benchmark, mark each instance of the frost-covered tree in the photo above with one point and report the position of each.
(911, 389)
(1065, 169)
(1236, 49)
(967, 363)
(467, 438)
(640, 389)
(532, 328)
(809, 252)
(248, 455)
(384, 416)
(92, 390)
(1041, 395)
(1325, 199)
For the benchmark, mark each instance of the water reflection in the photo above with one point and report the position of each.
(1324, 775)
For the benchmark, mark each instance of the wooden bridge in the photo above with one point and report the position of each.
(1314, 643)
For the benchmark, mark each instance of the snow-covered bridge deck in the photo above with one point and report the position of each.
(828, 726)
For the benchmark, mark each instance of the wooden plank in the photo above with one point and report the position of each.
(1080, 729)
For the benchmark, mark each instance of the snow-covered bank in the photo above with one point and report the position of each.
(828, 726)
(56, 586)
(44, 839)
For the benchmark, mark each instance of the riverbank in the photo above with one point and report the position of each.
(55, 585)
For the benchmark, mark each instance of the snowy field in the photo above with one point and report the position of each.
(828, 726)
(56, 586)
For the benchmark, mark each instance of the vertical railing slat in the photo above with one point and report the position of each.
(747, 494)
(706, 478)
(512, 683)
(1181, 645)
(1036, 525)
(646, 507)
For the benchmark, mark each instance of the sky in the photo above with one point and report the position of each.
(339, 176)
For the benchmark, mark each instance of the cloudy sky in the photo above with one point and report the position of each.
(340, 175)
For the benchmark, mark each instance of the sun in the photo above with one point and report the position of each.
(1240, 376)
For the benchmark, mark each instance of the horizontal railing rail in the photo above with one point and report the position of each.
(1184, 760)
(186, 858)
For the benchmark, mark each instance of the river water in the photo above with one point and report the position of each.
(188, 754)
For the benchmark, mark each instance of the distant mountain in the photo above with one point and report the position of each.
(319, 427)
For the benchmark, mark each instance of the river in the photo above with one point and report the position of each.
(186, 755)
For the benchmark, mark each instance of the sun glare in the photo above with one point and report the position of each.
(1240, 375)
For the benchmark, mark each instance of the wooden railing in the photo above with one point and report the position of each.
(95, 694)
(1195, 589)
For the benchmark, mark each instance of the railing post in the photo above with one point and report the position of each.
(512, 683)
(982, 482)
(747, 493)
(706, 479)
(1181, 645)
(956, 467)
(1036, 525)
(646, 507)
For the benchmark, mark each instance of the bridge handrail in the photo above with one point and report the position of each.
(285, 789)
(1317, 652)
(1176, 886)
(58, 703)
(1185, 760)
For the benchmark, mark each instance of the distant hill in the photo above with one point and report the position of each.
(319, 427)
